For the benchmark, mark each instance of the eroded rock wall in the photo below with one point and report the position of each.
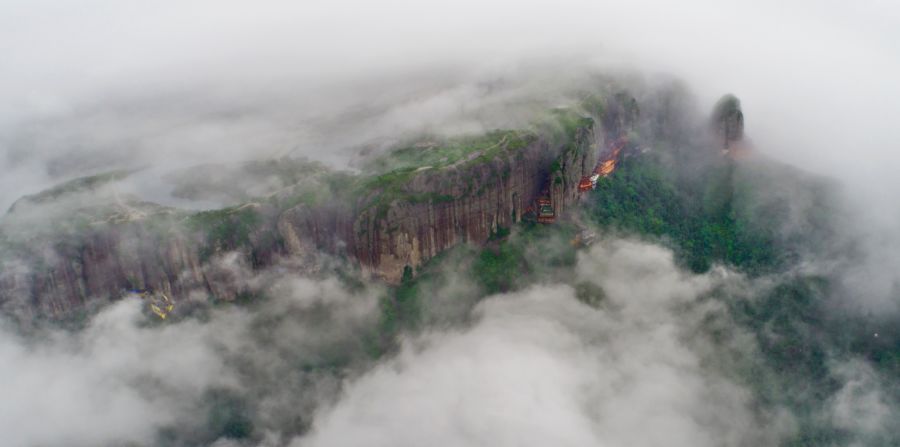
(468, 203)
(465, 203)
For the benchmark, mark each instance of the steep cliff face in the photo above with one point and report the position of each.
(441, 207)
(396, 217)
(51, 278)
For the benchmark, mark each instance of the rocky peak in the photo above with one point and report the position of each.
(728, 120)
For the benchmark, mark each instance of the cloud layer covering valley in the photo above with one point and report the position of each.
(539, 367)
(528, 368)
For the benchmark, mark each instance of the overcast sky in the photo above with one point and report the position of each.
(817, 78)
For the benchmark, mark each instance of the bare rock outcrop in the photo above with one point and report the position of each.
(728, 120)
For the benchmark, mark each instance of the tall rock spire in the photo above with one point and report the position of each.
(728, 120)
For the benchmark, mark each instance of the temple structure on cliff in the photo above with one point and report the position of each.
(545, 212)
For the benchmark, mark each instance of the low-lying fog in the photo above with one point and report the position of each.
(163, 86)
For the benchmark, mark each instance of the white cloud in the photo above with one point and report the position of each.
(124, 378)
(190, 79)
(540, 368)
(859, 405)
(116, 382)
